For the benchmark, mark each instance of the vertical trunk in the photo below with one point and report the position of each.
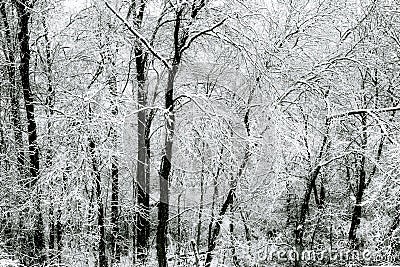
(299, 231)
(115, 242)
(50, 98)
(180, 39)
(143, 168)
(142, 221)
(199, 220)
(233, 248)
(355, 220)
(103, 262)
(52, 231)
(322, 195)
(149, 120)
(178, 238)
(300, 226)
(231, 194)
(195, 253)
(59, 232)
(165, 168)
(8, 49)
(217, 228)
(246, 227)
(215, 197)
(23, 9)
(115, 236)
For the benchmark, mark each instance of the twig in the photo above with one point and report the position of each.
(187, 45)
(140, 37)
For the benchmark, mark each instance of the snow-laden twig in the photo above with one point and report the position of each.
(194, 37)
(140, 37)
(362, 111)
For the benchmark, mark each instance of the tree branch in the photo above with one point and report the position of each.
(362, 111)
(140, 37)
(187, 45)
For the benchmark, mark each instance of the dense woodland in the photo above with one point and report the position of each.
(198, 133)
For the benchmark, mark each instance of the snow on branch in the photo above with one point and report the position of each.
(187, 45)
(363, 111)
(139, 36)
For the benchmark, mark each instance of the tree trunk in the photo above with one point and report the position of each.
(178, 231)
(165, 168)
(231, 194)
(143, 153)
(355, 220)
(8, 50)
(59, 234)
(115, 240)
(215, 197)
(142, 217)
(201, 205)
(50, 102)
(300, 226)
(103, 262)
(23, 9)
(195, 253)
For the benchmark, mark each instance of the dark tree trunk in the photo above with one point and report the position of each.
(217, 228)
(115, 235)
(355, 220)
(50, 102)
(300, 226)
(231, 194)
(143, 153)
(52, 231)
(23, 9)
(299, 230)
(165, 168)
(201, 205)
(8, 49)
(58, 235)
(215, 197)
(103, 262)
(142, 217)
(195, 253)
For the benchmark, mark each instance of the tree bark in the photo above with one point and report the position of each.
(55, 235)
(165, 168)
(356, 216)
(102, 260)
(300, 226)
(195, 253)
(23, 10)
(143, 153)
(201, 205)
(115, 235)
(231, 194)
(8, 50)
(215, 197)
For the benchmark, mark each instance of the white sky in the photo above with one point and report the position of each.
(75, 5)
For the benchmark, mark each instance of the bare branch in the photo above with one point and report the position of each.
(187, 45)
(140, 37)
(362, 111)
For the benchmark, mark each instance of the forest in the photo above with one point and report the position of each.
(199, 133)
